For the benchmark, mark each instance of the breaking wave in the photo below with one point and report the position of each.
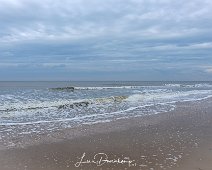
(89, 104)
(71, 88)
(61, 104)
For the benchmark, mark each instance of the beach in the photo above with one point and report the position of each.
(105, 85)
(178, 139)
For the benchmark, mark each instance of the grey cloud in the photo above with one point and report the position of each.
(77, 19)
(107, 36)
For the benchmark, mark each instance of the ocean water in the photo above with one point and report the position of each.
(40, 107)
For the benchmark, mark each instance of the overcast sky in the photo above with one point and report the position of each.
(105, 40)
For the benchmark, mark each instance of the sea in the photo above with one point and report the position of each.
(39, 107)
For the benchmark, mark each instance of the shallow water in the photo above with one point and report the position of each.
(38, 107)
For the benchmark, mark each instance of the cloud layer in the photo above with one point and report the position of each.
(105, 40)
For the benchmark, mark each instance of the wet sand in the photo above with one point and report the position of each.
(178, 140)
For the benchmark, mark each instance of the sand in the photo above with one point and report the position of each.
(178, 140)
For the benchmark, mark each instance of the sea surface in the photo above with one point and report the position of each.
(40, 107)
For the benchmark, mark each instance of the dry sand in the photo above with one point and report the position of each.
(178, 140)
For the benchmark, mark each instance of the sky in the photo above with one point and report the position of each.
(139, 40)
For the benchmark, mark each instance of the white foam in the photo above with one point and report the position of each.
(55, 104)
(173, 85)
(112, 87)
(203, 85)
(197, 85)
(100, 107)
(36, 104)
(84, 117)
(169, 96)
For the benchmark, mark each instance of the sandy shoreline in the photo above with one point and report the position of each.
(180, 139)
